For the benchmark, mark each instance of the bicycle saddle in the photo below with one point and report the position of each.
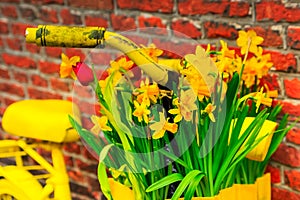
(42, 119)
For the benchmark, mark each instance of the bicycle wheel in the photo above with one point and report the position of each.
(9, 191)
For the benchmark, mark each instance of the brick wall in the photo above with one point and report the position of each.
(27, 71)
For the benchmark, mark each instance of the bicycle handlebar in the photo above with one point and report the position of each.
(89, 37)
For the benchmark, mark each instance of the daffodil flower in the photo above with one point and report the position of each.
(100, 123)
(261, 98)
(162, 126)
(66, 66)
(141, 111)
(248, 41)
(152, 51)
(176, 111)
(147, 92)
(185, 106)
(209, 109)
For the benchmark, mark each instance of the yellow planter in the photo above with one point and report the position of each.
(260, 151)
(261, 190)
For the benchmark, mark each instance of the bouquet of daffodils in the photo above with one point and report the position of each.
(210, 125)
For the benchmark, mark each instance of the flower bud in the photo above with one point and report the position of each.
(84, 73)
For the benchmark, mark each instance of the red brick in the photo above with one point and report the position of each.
(86, 166)
(283, 62)
(8, 100)
(14, 43)
(152, 22)
(194, 7)
(76, 175)
(69, 18)
(239, 9)
(187, 28)
(42, 2)
(283, 194)
(293, 135)
(82, 92)
(87, 108)
(147, 5)
(138, 39)
(19, 28)
(287, 155)
(10, 1)
(28, 13)
(87, 123)
(174, 49)
(39, 81)
(73, 147)
(53, 51)
(1, 42)
(275, 11)
(75, 52)
(9, 11)
(291, 108)
(19, 61)
(92, 4)
(68, 160)
(101, 58)
(12, 88)
(33, 48)
(275, 174)
(271, 80)
(96, 21)
(4, 74)
(48, 14)
(292, 179)
(48, 67)
(35, 93)
(271, 38)
(3, 27)
(59, 84)
(21, 77)
(215, 30)
(122, 22)
(293, 37)
(88, 154)
(292, 88)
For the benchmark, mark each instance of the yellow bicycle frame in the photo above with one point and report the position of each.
(57, 180)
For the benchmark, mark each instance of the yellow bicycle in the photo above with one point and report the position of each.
(40, 124)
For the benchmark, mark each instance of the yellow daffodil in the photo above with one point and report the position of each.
(100, 123)
(225, 52)
(185, 106)
(271, 93)
(119, 65)
(152, 51)
(176, 111)
(261, 98)
(141, 111)
(162, 126)
(209, 109)
(147, 92)
(66, 66)
(248, 41)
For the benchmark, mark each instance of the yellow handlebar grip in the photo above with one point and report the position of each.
(65, 36)
(91, 37)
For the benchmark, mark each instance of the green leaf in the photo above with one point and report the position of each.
(192, 187)
(172, 178)
(104, 152)
(95, 143)
(103, 180)
(190, 177)
(174, 158)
